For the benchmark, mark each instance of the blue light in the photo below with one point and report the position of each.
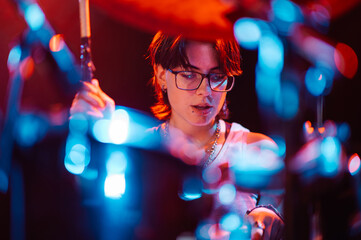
(34, 16)
(114, 186)
(231, 222)
(227, 194)
(247, 33)
(315, 81)
(288, 101)
(343, 132)
(78, 124)
(116, 163)
(118, 127)
(77, 153)
(285, 14)
(212, 175)
(14, 57)
(285, 10)
(63, 59)
(330, 156)
(100, 130)
(271, 53)
(192, 189)
(267, 86)
(281, 143)
(30, 129)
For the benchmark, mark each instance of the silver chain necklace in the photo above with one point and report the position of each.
(210, 151)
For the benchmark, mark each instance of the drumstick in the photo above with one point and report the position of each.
(87, 66)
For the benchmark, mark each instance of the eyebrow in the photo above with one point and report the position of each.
(191, 66)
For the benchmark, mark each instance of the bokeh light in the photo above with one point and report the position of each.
(56, 43)
(114, 186)
(267, 86)
(34, 16)
(231, 222)
(354, 164)
(227, 194)
(116, 163)
(77, 153)
(118, 127)
(27, 67)
(247, 33)
(78, 124)
(14, 57)
(30, 129)
(270, 53)
(192, 189)
(346, 60)
(330, 156)
(212, 175)
(281, 143)
(315, 81)
(343, 132)
(284, 14)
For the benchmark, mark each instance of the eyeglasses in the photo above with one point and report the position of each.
(188, 80)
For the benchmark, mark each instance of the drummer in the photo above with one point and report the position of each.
(191, 81)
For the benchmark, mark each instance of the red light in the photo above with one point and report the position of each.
(345, 60)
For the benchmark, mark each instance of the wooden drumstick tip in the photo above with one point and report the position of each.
(84, 18)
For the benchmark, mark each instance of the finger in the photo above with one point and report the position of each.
(257, 231)
(81, 106)
(91, 98)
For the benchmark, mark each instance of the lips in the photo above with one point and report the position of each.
(203, 109)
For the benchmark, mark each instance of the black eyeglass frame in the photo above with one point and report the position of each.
(200, 83)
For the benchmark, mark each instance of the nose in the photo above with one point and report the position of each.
(204, 88)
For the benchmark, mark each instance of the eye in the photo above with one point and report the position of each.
(188, 75)
(218, 77)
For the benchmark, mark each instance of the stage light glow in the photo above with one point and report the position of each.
(267, 86)
(227, 194)
(320, 16)
(287, 101)
(64, 59)
(247, 33)
(118, 127)
(330, 156)
(285, 10)
(212, 175)
(34, 16)
(30, 129)
(116, 163)
(114, 186)
(281, 143)
(192, 189)
(4, 181)
(230, 222)
(77, 153)
(56, 43)
(354, 164)
(346, 60)
(315, 81)
(100, 130)
(343, 132)
(27, 67)
(308, 128)
(14, 57)
(202, 231)
(78, 124)
(271, 53)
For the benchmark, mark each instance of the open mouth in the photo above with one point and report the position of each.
(202, 107)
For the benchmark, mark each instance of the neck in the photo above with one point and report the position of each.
(199, 134)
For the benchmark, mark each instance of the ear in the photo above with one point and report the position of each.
(159, 73)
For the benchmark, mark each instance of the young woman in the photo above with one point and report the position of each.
(191, 81)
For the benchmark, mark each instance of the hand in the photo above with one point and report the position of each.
(92, 101)
(265, 224)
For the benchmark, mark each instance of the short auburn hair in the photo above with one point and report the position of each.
(170, 52)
